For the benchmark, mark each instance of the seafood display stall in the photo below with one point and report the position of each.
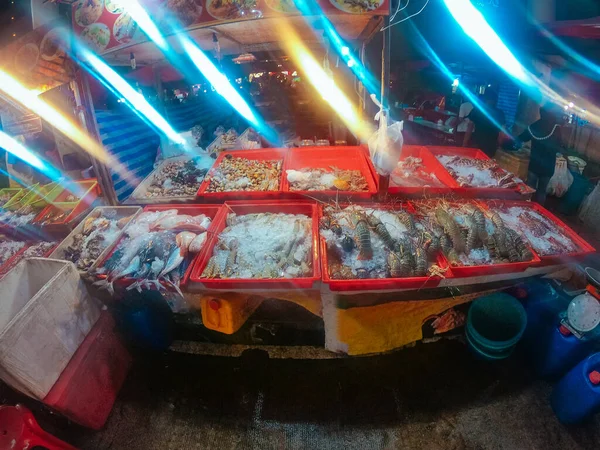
(300, 225)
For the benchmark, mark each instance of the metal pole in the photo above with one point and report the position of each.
(384, 181)
(102, 172)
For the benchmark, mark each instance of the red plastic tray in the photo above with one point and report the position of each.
(259, 155)
(87, 389)
(432, 164)
(241, 207)
(87, 191)
(67, 223)
(488, 269)
(211, 211)
(379, 284)
(585, 247)
(345, 158)
(475, 192)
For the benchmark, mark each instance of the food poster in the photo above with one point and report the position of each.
(104, 25)
(38, 59)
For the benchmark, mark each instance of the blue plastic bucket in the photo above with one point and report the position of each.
(495, 324)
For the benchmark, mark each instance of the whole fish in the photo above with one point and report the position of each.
(108, 283)
(173, 262)
(198, 242)
(184, 239)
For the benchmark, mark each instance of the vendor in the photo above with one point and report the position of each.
(545, 143)
(485, 123)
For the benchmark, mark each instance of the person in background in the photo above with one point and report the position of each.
(545, 143)
(485, 125)
(463, 114)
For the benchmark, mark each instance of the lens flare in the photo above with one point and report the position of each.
(323, 83)
(15, 90)
(20, 94)
(224, 88)
(141, 17)
(424, 46)
(475, 26)
(113, 81)
(15, 148)
(312, 9)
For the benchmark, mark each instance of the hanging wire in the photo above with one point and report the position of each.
(408, 17)
(398, 9)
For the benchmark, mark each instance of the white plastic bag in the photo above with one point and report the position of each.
(561, 180)
(590, 209)
(385, 145)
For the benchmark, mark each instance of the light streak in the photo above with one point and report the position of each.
(310, 8)
(15, 90)
(323, 83)
(141, 17)
(224, 88)
(15, 148)
(10, 87)
(115, 82)
(476, 27)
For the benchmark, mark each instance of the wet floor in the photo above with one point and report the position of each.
(431, 396)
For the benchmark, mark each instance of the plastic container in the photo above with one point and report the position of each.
(486, 269)
(475, 192)
(258, 155)
(289, 207)
(68, 222)
(17, 202)
(45, 315)
(548, 260)
(87, 389)
(44, 195)
(379, 284)
(577, 395)
(495, 324)
(85, 191)
(113, 212)
(432, 165)
(139, 194)
(10, 191)
(227, 312)
(345, 158)
(191, 210)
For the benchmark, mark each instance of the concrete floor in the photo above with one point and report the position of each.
(432, 396)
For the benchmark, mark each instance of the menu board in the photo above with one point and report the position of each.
(104, 24)
(38, 59)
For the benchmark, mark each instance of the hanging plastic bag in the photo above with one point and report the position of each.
(561, 180)
(590, 208)
(385, 145)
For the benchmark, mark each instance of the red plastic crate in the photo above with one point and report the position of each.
(258, 155)
(68, 223)
(457, 151)
(241, 207)
(345, 158)
(476, 192)
(488, 269)
(211, 211)
(379, 284)
(87, 389)
(432, 164)
(86, 191)
(585, 247)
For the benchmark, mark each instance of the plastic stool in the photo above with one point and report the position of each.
(19, 430)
